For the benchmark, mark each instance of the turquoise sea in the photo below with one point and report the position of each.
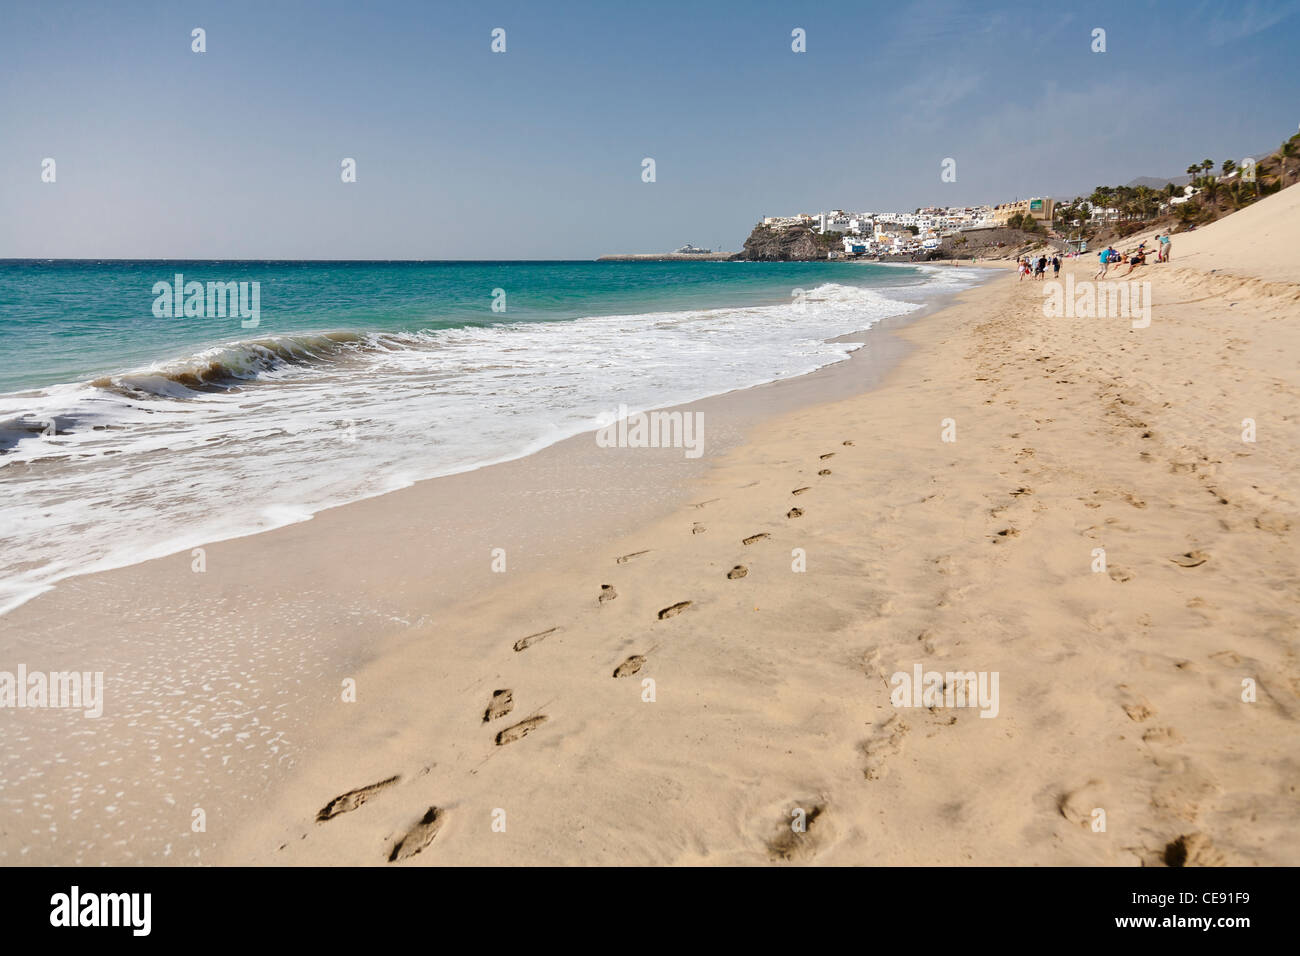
(128, 431)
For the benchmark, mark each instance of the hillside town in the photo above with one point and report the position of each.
(925, 230)
(908, 233)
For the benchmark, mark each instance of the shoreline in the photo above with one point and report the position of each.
(383, 603)
(170, 548)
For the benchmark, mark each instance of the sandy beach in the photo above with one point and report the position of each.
(682, 657)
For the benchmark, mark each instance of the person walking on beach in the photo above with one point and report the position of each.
(1056, 266)
(1041, 268)
(1104, 263)
(1164, 249)
(1023, 268)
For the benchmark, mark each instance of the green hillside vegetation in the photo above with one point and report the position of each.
(1218, 194)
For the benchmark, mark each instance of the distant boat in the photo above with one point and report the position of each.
(690, 250)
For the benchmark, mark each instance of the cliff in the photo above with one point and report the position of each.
(793, 243)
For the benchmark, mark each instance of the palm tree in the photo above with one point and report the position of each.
(1207, 165)
(1144, 197)
(1101, 198)
(1228, 167)
(1127, 201)
(1192, 170)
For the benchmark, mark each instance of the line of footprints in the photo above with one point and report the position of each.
(423, 832)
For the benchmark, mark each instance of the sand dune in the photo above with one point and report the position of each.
(1257, 241)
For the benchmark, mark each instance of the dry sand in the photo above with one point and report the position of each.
(1125, 691)
(504, 718)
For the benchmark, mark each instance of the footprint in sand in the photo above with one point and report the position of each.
(525, 642)
(628, 557)
(607, 593)
(1192, 849)
(794, 513)
(1191, 559)
(1162, 737)
(701, 504)
(419, 836)
(1077, 805)
(824, 472)
(1116, 573)
(846, 443)
(673, 610)
(755, 537)
(1135, 705)
(887, 742)
(1183, 788)
(353, 799)
(503, 701)
(520, 730)
(799, 491)
(630, 666)
(792, 844)
(829, 454)
(698, 528)
(739, 571)
(1271, 521)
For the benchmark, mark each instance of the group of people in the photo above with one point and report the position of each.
(1138, 257)
(1038, 267)
(1029, 267)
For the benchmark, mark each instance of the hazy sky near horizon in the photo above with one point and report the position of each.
(537, 152)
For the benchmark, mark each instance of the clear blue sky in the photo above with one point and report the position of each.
(536, 153)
